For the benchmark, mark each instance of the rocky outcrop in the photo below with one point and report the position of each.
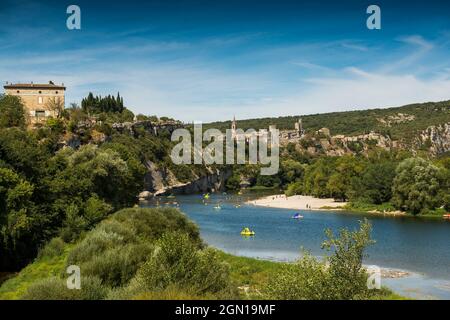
(211, 182)
(396, 119)
(161, 181)
(435, 139)
(151, 127)
(339, 145)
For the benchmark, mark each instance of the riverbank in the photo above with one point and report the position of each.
(297, 203)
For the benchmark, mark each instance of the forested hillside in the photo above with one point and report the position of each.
(398, 123)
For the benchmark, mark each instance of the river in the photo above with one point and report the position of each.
(419, 246)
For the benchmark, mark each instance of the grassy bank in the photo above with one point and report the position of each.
(158, 254)
(43, 267)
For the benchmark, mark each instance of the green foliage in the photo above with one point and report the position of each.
(417, 186)
(178, 261)
(340, 276)
(356, 122)
(349, 279)
(56, 289)
(291, 171)
(98, 104)
(53, 248)
(43, 267)
(119, 245)
(12, 112)
(55, 125)
(375, 183)
(93, 170)
(295, 188)
(233, 182)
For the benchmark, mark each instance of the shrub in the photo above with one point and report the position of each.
(116, 266)
(305, 279)
(341, 276)
(178, 262)
(295, 188)
(56, 289)
(52, 249)
(152, 223)
(94, 244)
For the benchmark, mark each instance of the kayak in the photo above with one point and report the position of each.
(297, 216)
(247, 232)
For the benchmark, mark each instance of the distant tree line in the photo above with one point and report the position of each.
(380, 181)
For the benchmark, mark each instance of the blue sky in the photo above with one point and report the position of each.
(210, 60)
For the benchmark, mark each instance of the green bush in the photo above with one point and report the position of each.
(152, 223)
(116, 266)
(115, 250)
(56, 289)
(94, 244)
(308, 278)
(52, 249)
(340, 276)
(295, 188)
(178, 262)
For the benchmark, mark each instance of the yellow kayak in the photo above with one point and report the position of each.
(247, 232)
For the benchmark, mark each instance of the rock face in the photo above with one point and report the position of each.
(151, 127)
(436, 139)
(212, 182)
(161, 181)
(396, 119)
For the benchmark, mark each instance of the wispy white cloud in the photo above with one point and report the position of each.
(418, 41)
(180, 79)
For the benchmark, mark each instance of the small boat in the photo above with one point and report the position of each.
(297, 216)
(218, 207)
(247, 232)
(446, 216)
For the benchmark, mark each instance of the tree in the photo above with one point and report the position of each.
(375, 183)
(340, 276)
(56, 106)
(12, 112)
(291, 171)
(91, 170)
(234, 182)
(416, 186)
(347, 276)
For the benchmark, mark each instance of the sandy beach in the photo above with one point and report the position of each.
(297, 202)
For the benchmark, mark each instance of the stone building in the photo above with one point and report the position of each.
(40, 100)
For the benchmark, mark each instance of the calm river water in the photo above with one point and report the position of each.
(420, 246)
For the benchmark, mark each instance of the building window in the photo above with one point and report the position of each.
(40, 101)
(56, 92)
(18, 91)
(40, 92)
(40, 113)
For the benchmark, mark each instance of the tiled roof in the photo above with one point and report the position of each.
(34, 86)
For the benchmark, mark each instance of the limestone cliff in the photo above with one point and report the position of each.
(435, 139)
(161, 181)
